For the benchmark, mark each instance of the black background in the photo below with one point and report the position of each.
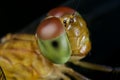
(14, 15)
(102, 17)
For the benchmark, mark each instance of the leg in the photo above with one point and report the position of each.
(2, 76)
(95, 66)
(72, 73)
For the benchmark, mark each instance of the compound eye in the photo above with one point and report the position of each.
(50, 28)
(52, 40)
(61, 11)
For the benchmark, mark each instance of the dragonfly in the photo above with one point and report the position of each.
(61, 37)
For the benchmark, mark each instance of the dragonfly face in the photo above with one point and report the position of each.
(77, 33)
(61, 34)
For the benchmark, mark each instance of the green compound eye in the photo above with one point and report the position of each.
(52, 40)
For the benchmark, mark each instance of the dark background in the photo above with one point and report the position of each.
(102, 17)
(18, 14)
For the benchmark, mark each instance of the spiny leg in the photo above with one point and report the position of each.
(96, 67)
(57, 75)
(63, 76)
(72, 73)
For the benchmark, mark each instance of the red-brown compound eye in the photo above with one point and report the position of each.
(50, 28)
(60, 11)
